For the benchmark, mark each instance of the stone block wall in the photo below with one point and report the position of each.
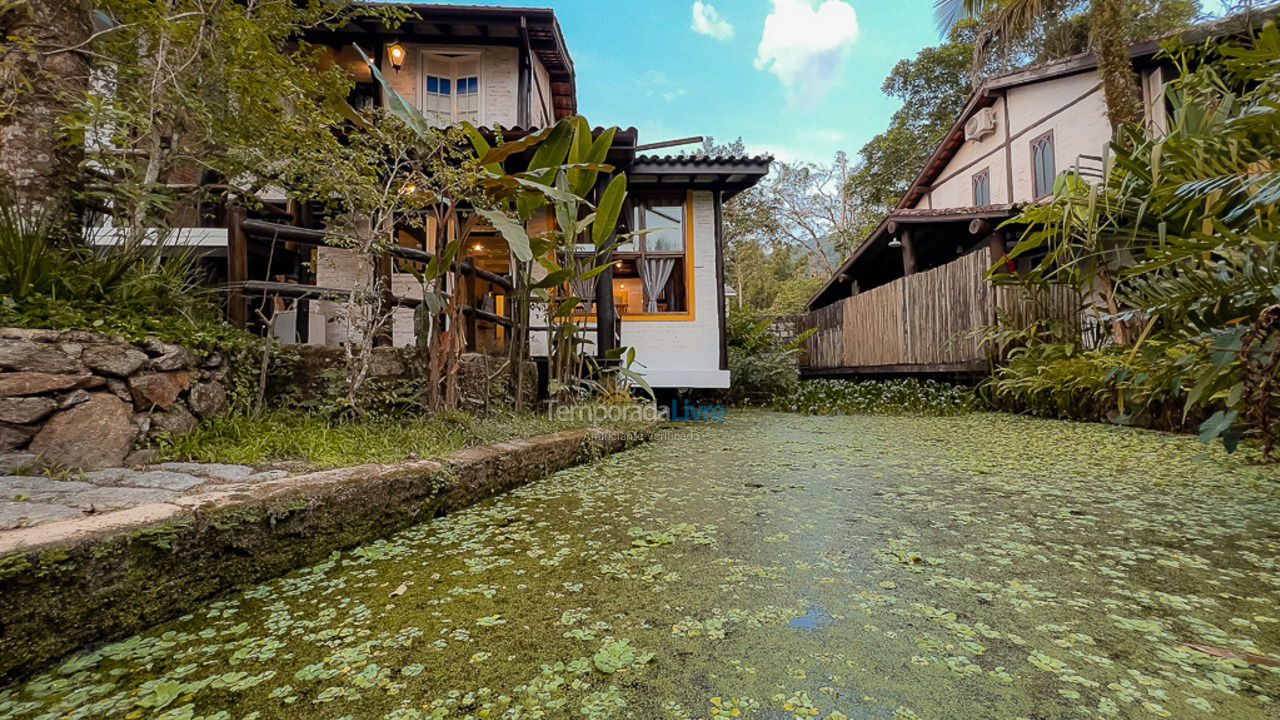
(83, 400)
(481, 378)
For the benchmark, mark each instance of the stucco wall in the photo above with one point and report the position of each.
(686, 353)
(954, 187)
(1080, 128)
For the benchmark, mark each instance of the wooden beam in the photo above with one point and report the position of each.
(319, 238)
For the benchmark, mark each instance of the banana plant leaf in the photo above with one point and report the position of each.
(512, 231)
(400, 107)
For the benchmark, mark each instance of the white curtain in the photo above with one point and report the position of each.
(654, 273)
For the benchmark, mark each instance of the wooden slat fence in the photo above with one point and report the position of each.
(922, 320)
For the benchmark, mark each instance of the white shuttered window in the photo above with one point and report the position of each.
(451, 87)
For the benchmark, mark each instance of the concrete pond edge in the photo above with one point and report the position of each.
(73, 583)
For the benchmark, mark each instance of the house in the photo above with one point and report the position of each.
(507, 71)
(906, 297)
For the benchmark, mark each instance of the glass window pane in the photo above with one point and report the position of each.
(433, 84)
(444, 86)
(665, 226)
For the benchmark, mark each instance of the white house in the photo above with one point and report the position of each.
(898, 302)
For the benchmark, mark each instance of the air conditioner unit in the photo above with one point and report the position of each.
(980, 125)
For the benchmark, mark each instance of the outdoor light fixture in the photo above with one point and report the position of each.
(396, 53)
(895, 243)
(477, 247)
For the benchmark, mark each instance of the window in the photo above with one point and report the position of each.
(650, 275)
(1042, 165)
(451, 87)
(982, 188)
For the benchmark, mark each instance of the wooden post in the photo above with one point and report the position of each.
(720, 271)
(469, 297)
(386, 333)
(606, 313)
(908, 252)
(237, 268)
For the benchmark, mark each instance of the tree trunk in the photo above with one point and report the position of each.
(41, 77)
(1107, 23)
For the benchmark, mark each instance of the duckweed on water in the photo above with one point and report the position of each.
(773, 566)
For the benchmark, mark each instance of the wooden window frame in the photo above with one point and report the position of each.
(982, 175)
(1053, 154)
(688, 314)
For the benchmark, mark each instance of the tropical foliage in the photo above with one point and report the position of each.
(1180, 242)
(1039, 30)
(761, 363)
(46, 281)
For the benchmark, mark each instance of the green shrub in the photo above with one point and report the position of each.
(762, 365)
(905, 397)
(132, 289)
(1146, 386)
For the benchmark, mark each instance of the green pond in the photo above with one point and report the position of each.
(770, 566)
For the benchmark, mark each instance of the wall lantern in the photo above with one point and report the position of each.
(895, 243)
(396, 53)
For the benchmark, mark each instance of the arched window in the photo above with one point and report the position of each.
(982, 188)
(1043, 168)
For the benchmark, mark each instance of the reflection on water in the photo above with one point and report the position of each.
(771, 566)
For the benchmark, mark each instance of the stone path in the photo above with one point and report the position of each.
(27, 498)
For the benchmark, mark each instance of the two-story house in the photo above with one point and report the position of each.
(902, 298)
(507, 70)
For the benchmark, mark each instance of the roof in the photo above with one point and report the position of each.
(911, 216)
(985, 96)
(729, 174)
(974, 212)
(707, 161)
(538, 28)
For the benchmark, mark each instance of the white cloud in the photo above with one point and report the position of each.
(658, 85)
(804, 45)
(707, 21)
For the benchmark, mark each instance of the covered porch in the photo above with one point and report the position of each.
(911, 299)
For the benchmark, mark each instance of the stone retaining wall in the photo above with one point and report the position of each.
(482, 379)
(83, 400)
(66, 584)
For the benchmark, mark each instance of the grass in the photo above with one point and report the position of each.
(318, 441)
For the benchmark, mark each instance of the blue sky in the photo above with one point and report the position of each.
(641, 63)
(796, 78)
